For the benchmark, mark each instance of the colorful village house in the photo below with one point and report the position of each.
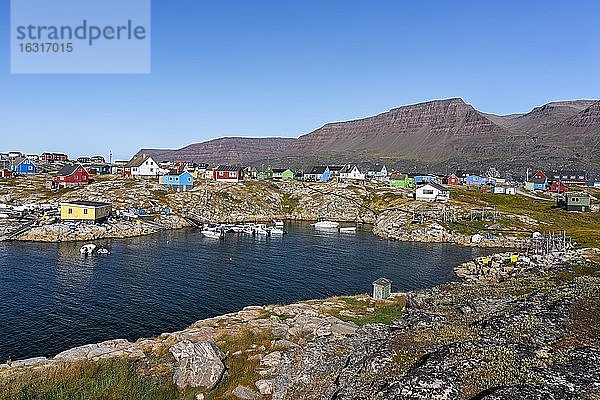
(401, 180)
(451, 179)
(141, 167)
(52, 157)
(577, 201)
(558, 186)
(421, 179)
(228, 173)
(378, 172)
(89, 211)
(23, 166)
(476, 180)
(178, 180)
(72, 175)
(283, 174)
(351, 173)
(571, 178)
(318, 173)
(432, 192)
(5, 173)
(538, 181)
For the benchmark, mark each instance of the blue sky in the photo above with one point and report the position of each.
(279, 68)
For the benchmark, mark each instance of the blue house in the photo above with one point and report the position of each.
(23, 166)
(476, 180)
(421, 179)
(178, 180)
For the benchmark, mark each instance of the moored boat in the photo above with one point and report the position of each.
(87, 249)
(324, 223)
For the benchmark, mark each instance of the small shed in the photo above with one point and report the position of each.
(382, 288)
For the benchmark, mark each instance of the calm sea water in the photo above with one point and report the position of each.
(52, 298)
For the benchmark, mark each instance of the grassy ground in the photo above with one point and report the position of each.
(583, 227)
(104, 380)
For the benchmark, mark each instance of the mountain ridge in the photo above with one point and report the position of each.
(438, 134)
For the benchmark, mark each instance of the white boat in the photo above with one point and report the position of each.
(237, 228)
(212, 232)
(261, 230)
(103, 251)
(249, 229)
(278, 223)
(348, 229)
(87, 249)
(324, 223)
(276, 231)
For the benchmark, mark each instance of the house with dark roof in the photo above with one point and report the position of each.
(351, 173)
(571, 178)
(538, 181)
(318, 173)
(378, 172)
(283, 174)
(23, 166)
(72, 175)
(142, 166)
(228, 173)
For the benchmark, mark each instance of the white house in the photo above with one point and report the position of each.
(351, 173)
(142, 167)
(504, 190)
(432, 192)
(378, 172)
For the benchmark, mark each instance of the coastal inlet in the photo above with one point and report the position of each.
(52, 298)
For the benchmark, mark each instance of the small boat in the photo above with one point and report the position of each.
(212, 232)
(276, 231)
(261, 230)
(87, 249)
(103, 251)
(348, 229)
(324, 223)
(249, 229)
(278, 223)
(237, 228)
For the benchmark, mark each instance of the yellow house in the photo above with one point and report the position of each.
(84, 211)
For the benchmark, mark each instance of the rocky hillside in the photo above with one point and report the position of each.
(436, 134)
(229, 150)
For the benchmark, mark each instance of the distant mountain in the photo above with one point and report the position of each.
(434, 135)
(229, 150)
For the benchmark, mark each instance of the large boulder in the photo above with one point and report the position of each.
(198, 364)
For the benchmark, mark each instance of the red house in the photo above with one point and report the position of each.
(5, 173)
(452, 179)
(228, 173)
(559, 187)
(72, 175)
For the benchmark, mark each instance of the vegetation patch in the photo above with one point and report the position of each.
(86, 380)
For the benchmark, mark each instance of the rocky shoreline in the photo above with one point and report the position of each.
(532, 333)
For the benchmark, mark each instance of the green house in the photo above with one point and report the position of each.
(401, 180)
(283, 174)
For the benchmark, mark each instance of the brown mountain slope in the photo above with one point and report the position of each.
(541, 118)
(438, 134)
(229, 150)
(431, 131)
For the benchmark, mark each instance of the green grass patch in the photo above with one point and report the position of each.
(368, 311)
(113, 379)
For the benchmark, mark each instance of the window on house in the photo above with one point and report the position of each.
(427, 191)
(70, 211)
(85, 211)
